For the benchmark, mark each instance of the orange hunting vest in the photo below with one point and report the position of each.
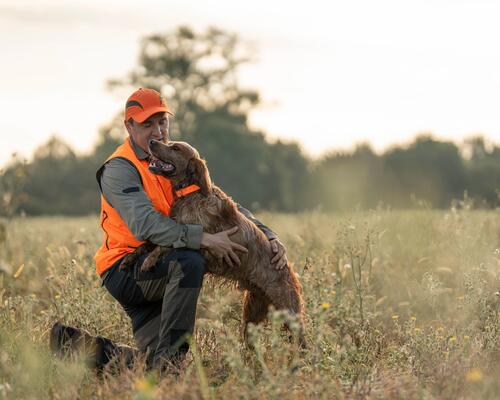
(118, 240)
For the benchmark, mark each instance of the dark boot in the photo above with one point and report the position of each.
(98, 352)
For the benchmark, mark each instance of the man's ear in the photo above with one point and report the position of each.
(198, 174)
(128, 124)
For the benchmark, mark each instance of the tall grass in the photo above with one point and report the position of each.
(398, 304)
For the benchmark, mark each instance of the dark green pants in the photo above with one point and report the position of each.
(161, 302)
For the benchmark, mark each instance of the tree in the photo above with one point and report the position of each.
(428, 169)
(12, 186)
(482, 166)
(59, 182)
(197, 72)
(346, 180)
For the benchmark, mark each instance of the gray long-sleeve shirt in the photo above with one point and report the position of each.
(121, 186)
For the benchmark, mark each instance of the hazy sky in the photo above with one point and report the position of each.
(331, 73)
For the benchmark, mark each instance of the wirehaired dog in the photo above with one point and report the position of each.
(210, 207)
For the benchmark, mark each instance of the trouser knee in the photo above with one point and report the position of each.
(192, 264)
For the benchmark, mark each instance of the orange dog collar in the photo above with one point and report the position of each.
(187, 190)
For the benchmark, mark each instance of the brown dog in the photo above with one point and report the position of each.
(215, 211)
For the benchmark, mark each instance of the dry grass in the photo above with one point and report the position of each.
(399, 305)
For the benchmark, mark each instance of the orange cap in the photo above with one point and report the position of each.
(143, 103)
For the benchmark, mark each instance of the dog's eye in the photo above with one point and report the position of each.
(175, 147)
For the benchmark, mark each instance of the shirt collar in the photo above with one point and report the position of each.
(140, 153)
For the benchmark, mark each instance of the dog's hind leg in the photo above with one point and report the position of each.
(255, 307)
(131, 258)
(286, 294)
(152, 258)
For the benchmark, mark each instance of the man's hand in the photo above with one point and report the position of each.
(222, 247)
(279, 260)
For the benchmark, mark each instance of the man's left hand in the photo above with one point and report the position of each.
(279, 260)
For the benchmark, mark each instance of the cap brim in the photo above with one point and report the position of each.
(144, 115)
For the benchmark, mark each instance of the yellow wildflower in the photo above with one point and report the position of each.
(325, 305)
(413, 318)
(474, 375)
(452, 340)
(143, 385)
(418, 330)
(395, 317)
(466, 338)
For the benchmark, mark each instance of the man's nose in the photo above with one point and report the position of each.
(158, 129)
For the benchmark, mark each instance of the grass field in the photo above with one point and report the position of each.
(398, 305)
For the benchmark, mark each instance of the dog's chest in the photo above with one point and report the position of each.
(200, 211)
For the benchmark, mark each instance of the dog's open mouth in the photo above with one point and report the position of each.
(158, 166)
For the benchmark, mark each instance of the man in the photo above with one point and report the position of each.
(135, 204)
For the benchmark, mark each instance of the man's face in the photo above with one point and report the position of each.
(155, 127)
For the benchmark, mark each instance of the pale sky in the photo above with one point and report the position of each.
(331, 73)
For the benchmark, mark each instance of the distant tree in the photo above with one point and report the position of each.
(482, 165)
(475, 148)
(109, 137)
(287, 184)
(12, 186)
(346, 180)
(197, 72)
(428, 169)
(57, 182)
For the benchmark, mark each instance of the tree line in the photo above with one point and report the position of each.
(197, 73)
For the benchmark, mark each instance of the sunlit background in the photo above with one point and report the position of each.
(330, 74)
(338, 105)
(389, 209)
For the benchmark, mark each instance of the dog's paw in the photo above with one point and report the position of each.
(123, 266)
(148, 263)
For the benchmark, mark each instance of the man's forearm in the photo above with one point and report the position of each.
(162, 230)
(266, 230)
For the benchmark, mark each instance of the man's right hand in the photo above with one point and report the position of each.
(222, 247)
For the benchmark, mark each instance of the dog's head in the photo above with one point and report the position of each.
(180, 163)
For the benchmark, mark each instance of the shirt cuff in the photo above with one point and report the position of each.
(193, 236)
(269, 233)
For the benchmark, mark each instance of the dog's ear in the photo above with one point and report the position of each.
(198, 174)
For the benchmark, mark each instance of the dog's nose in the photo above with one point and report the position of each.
(152, 142)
